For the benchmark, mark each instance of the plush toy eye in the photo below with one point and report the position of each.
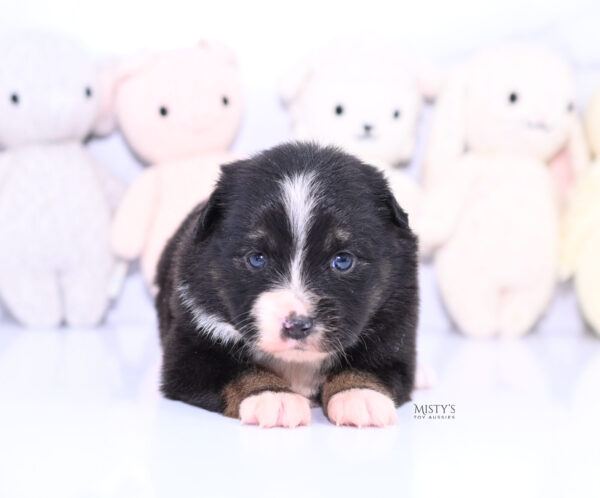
(14, 98)
(513, 97)
(88, 92)
(396, 114)
(570, 107)
(339, 110)
(257, 260)
(225, 100)
(163, 111)
(342, 261)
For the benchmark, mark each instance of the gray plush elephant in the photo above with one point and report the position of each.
(55, 200)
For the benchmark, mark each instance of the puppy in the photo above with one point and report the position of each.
(295, 283)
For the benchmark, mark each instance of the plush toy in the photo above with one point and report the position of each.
(179, 111)
(55, 200)
(580, 255)
(364, 96)
(505, 145)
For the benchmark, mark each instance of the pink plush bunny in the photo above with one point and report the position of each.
(179, 112)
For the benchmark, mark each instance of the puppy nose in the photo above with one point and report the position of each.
(297, 327)
(368, 128)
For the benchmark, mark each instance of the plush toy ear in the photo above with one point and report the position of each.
(592, 124)
(447, 139)
(428, 79)
(294, 82)
(568, 165)
(111, 74)
(224, 52)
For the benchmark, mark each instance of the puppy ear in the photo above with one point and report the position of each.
(397, 215)
(210, 215)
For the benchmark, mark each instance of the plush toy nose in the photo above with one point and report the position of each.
(297, 327)
(368, 127)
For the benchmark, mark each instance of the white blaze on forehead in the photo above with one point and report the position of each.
(300, 194)
(207, 323)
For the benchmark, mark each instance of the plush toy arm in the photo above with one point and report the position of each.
(134, 216)
(579, 221)
(112, 186)
(572, 162)
(440, 210)
(3, 168)
(447, 138)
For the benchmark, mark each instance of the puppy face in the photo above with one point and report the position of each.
(297, 248)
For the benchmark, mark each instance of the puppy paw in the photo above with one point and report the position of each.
(271, 409)
(361, 408)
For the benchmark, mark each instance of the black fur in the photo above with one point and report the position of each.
(373, 308)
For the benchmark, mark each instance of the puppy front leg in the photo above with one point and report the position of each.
(258, 397)
(358, 398)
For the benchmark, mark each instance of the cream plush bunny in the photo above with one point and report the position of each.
(505, 145)
(55, 200)
(366, 97)
(580, 255)
(179, 112)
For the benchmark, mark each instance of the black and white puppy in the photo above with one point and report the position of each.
(295, 283)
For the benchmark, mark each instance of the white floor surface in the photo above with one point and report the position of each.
(81, 416)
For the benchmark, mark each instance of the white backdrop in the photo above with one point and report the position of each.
(268, 36)
(80, 411)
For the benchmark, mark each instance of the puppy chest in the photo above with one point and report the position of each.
(304, 378)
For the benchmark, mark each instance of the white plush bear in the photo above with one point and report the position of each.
(580, 255)
(55, 201)
(504, 128)
(364, 96)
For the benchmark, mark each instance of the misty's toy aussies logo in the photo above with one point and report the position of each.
(434, 412)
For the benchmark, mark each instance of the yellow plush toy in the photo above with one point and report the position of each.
(581, 230)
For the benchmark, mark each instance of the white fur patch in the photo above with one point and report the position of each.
(270, 409)
(361, 408)
(207, 323)
(270, 310)
(300, 194)
(304, 377)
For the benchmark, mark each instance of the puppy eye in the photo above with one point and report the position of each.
(88, 92)
(342, 261)
(570, 107)
(339, 110)
(397, 114)
(163, 111)
(257, 260)
(225, 100)
(513, 97)
(14, 98)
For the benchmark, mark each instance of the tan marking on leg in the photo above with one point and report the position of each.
(248, 384)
